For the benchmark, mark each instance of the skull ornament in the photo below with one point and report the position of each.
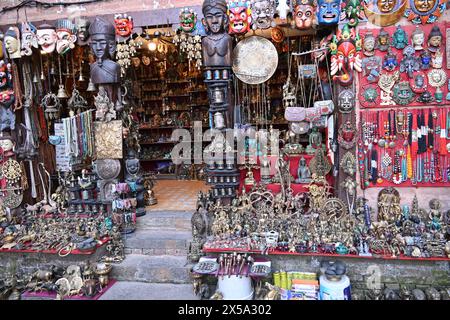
(123, 25)
(345, 50)
(328, 12)
(346, 101)
(29, 38)
(46, 35)
(66, 37)
(240, 16)
(304, 14)
(262, 13)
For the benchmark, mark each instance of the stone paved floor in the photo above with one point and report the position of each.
(177, 195)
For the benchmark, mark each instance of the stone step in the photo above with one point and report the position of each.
(152, 269)
(131, 290)
(157, 242)
(170, 221)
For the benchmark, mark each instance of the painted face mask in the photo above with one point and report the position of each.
(240, 16)
(353, 12)
(6, 91)
(46, 35)
(425, 11)
(12, 43)
(262, 13)
(82, 31)
(29, 38)
(328, 12)
(345, 50)
(65, 31)
(188, 20)
(304, 14)
(123, 25)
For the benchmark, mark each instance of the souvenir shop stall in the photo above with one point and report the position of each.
(365, 96)
(70, 178)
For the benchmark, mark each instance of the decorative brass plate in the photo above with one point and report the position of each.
(255, 60)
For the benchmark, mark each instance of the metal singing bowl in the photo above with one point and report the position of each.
(255, 60)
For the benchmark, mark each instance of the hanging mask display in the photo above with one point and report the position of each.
(65, 31)
(12, 43)
(328, 12)
(123, 25)
(409, 63)
(419, 82)
(262, 13)
(384, 12)
(425, 11)
(240, 16)
(372, 68)
(82, 26)
(29, 39)
(383, 41)
(390, 61)
(304, 14)
(346, 101)
(399, 38)
(283, 9)
(354, 12)
(345, 55)
(418, 38)
(46, 35)
(434, 39)
(187, 41)
(369, 44)
(403, 94)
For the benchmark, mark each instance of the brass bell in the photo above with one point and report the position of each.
(91, 86)
(62, 94)
(81, 78)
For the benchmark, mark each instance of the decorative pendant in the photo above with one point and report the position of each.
(347, 135)
(402, 93)
(51, 105)
(386, 82)
(346, 101)
(370, 96)
(419, 82)
(320, 165)
(12, 171)
(348, 163)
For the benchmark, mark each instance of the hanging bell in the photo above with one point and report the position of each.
(42, 76)
(62, 94)
(91, 86)
(35, 78)
(52, 71)
(81, 78)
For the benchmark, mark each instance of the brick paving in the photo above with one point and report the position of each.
(177, 195)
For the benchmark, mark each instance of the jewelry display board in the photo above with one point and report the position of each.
(405, 147)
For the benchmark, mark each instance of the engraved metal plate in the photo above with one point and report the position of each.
(205, 267)
(107, 169)
(108, 140)
(255, 60)
(105, 189)
(12, 200)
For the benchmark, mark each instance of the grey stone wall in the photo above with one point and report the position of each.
(29, 262)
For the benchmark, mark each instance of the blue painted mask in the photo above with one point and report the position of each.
(328, 11)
